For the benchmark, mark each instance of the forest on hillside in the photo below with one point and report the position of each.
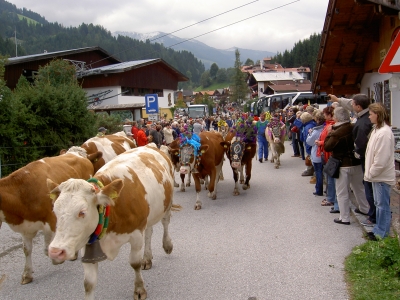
(35, 34)
(34, 38)
(304, 53)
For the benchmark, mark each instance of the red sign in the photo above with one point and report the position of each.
(391, 62)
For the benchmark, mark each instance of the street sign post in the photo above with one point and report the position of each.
(153, 117)
(151, 102)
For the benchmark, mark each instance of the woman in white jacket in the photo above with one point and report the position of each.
(379, 168)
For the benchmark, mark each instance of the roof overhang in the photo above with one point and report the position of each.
(349, 30)
(116, 107)
(131, 65)
(52, 55)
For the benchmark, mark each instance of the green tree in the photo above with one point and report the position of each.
(238, 81)
(222, 75)
(39, 120)
(213, 70)
(249, 62)
(205, 79)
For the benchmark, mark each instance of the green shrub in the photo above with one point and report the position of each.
(373, 270)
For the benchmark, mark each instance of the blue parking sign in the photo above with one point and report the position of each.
(151, 102)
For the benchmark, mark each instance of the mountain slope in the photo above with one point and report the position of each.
(208, 55)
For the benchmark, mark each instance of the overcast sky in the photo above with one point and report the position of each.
(277, 27)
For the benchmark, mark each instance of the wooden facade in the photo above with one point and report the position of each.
(152, 76)
(354, 39)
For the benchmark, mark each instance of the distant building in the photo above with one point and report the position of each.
(270, 78)
(110, 83)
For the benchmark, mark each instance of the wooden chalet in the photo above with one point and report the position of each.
(110, 83)
(355, 39)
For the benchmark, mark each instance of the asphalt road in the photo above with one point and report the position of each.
(273, 241)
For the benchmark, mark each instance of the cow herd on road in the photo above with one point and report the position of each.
(111, 192)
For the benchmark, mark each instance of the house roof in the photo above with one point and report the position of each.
(350, 28)
(273, 76)
(116, 65)
(50, 55)
(130, 65)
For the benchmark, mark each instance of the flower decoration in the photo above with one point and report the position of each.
(187, 138)
(245, 130)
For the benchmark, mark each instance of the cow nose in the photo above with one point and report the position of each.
(183, 171)
(56, 253)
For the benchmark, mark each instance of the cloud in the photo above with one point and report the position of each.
(274, 30)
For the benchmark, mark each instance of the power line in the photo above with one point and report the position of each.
(204, 20)
(267, 11)
(185, 28)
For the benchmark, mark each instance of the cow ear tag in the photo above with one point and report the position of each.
(225, 146)
(202, 151)
(248, 148)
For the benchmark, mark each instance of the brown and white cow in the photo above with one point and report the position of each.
(240, 155)
(175, 161)
(24, 199)
(207, 163)
(276, 137)
(110, 145)
(138, 185)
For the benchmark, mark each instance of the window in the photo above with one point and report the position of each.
(159, 92)
(127, 91)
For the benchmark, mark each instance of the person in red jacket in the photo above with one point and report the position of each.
(134, 131)
(141, 137)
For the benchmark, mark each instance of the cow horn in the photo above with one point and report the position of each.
(93, 253)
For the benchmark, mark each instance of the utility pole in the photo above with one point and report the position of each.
(16, 44)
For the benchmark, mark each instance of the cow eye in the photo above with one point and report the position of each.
(81, 214)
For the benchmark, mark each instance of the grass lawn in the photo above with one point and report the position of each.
(373, 270)
(213, 87)
(29, 20)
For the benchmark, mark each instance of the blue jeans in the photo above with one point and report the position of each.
(370, 196)
(331, 192)
(262, 147)
(301, 147)
(383, 213)
(318, 176)
(295, 145)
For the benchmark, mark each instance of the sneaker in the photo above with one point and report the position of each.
(367, 223)
(313, 180)
(307, 173)
(260, 160)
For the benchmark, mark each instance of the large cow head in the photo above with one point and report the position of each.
(75, 206)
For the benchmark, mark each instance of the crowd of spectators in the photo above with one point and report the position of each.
(358, 134)
(341, 130)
